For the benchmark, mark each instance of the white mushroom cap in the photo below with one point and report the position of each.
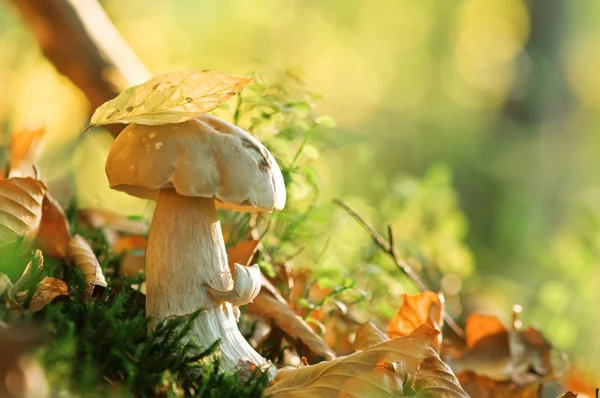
(203, 157)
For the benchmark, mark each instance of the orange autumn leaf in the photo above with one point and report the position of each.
(424, 308)
(24, 148)
(482, 387)
(481, 327)
(55, 232)
(130, 242)
(242, 252)
(518, 355)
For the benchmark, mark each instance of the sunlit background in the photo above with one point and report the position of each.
(472, 127)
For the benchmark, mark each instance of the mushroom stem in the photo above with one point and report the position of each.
(186, 254)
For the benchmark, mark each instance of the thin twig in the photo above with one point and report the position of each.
(79, 39)
(390, 248)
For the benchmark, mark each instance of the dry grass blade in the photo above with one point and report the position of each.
(54, 233)
(170, 98)
(20, 210)
(362, 374)
(277, 311)
(32, 267)
(424, 308)
(81, 255)
(436, 378)
(5, 284)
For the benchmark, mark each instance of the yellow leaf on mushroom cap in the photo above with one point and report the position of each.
(170, 98)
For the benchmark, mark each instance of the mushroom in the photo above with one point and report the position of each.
(191, 169)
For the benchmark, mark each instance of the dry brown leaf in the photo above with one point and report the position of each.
(480, 327)
(24, 150)
(500, 354)
(46, 291)
(368, 335)
(436, 378)
(416, 310)
(482, 387)
(170, 98)
(54, 233)
(568, 394)
(272, 307)
(81, 255)
(362, 374)
(242, 253)
(20, 210)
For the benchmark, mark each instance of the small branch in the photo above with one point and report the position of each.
(390, 248)
(79, 39)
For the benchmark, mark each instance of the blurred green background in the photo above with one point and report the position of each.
(470, 126)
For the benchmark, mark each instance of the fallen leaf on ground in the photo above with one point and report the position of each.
(362, 374)
(81, 255)
(368, 335)
(433, 377)
(242, 252)
(20, 210)
(499, 354)
(170, 98)
(54, 233)
(483, 387)
(270, 306)
(416, 310)
(46, 291)
(436, 378)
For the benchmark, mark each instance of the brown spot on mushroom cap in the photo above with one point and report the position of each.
(203, 157)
